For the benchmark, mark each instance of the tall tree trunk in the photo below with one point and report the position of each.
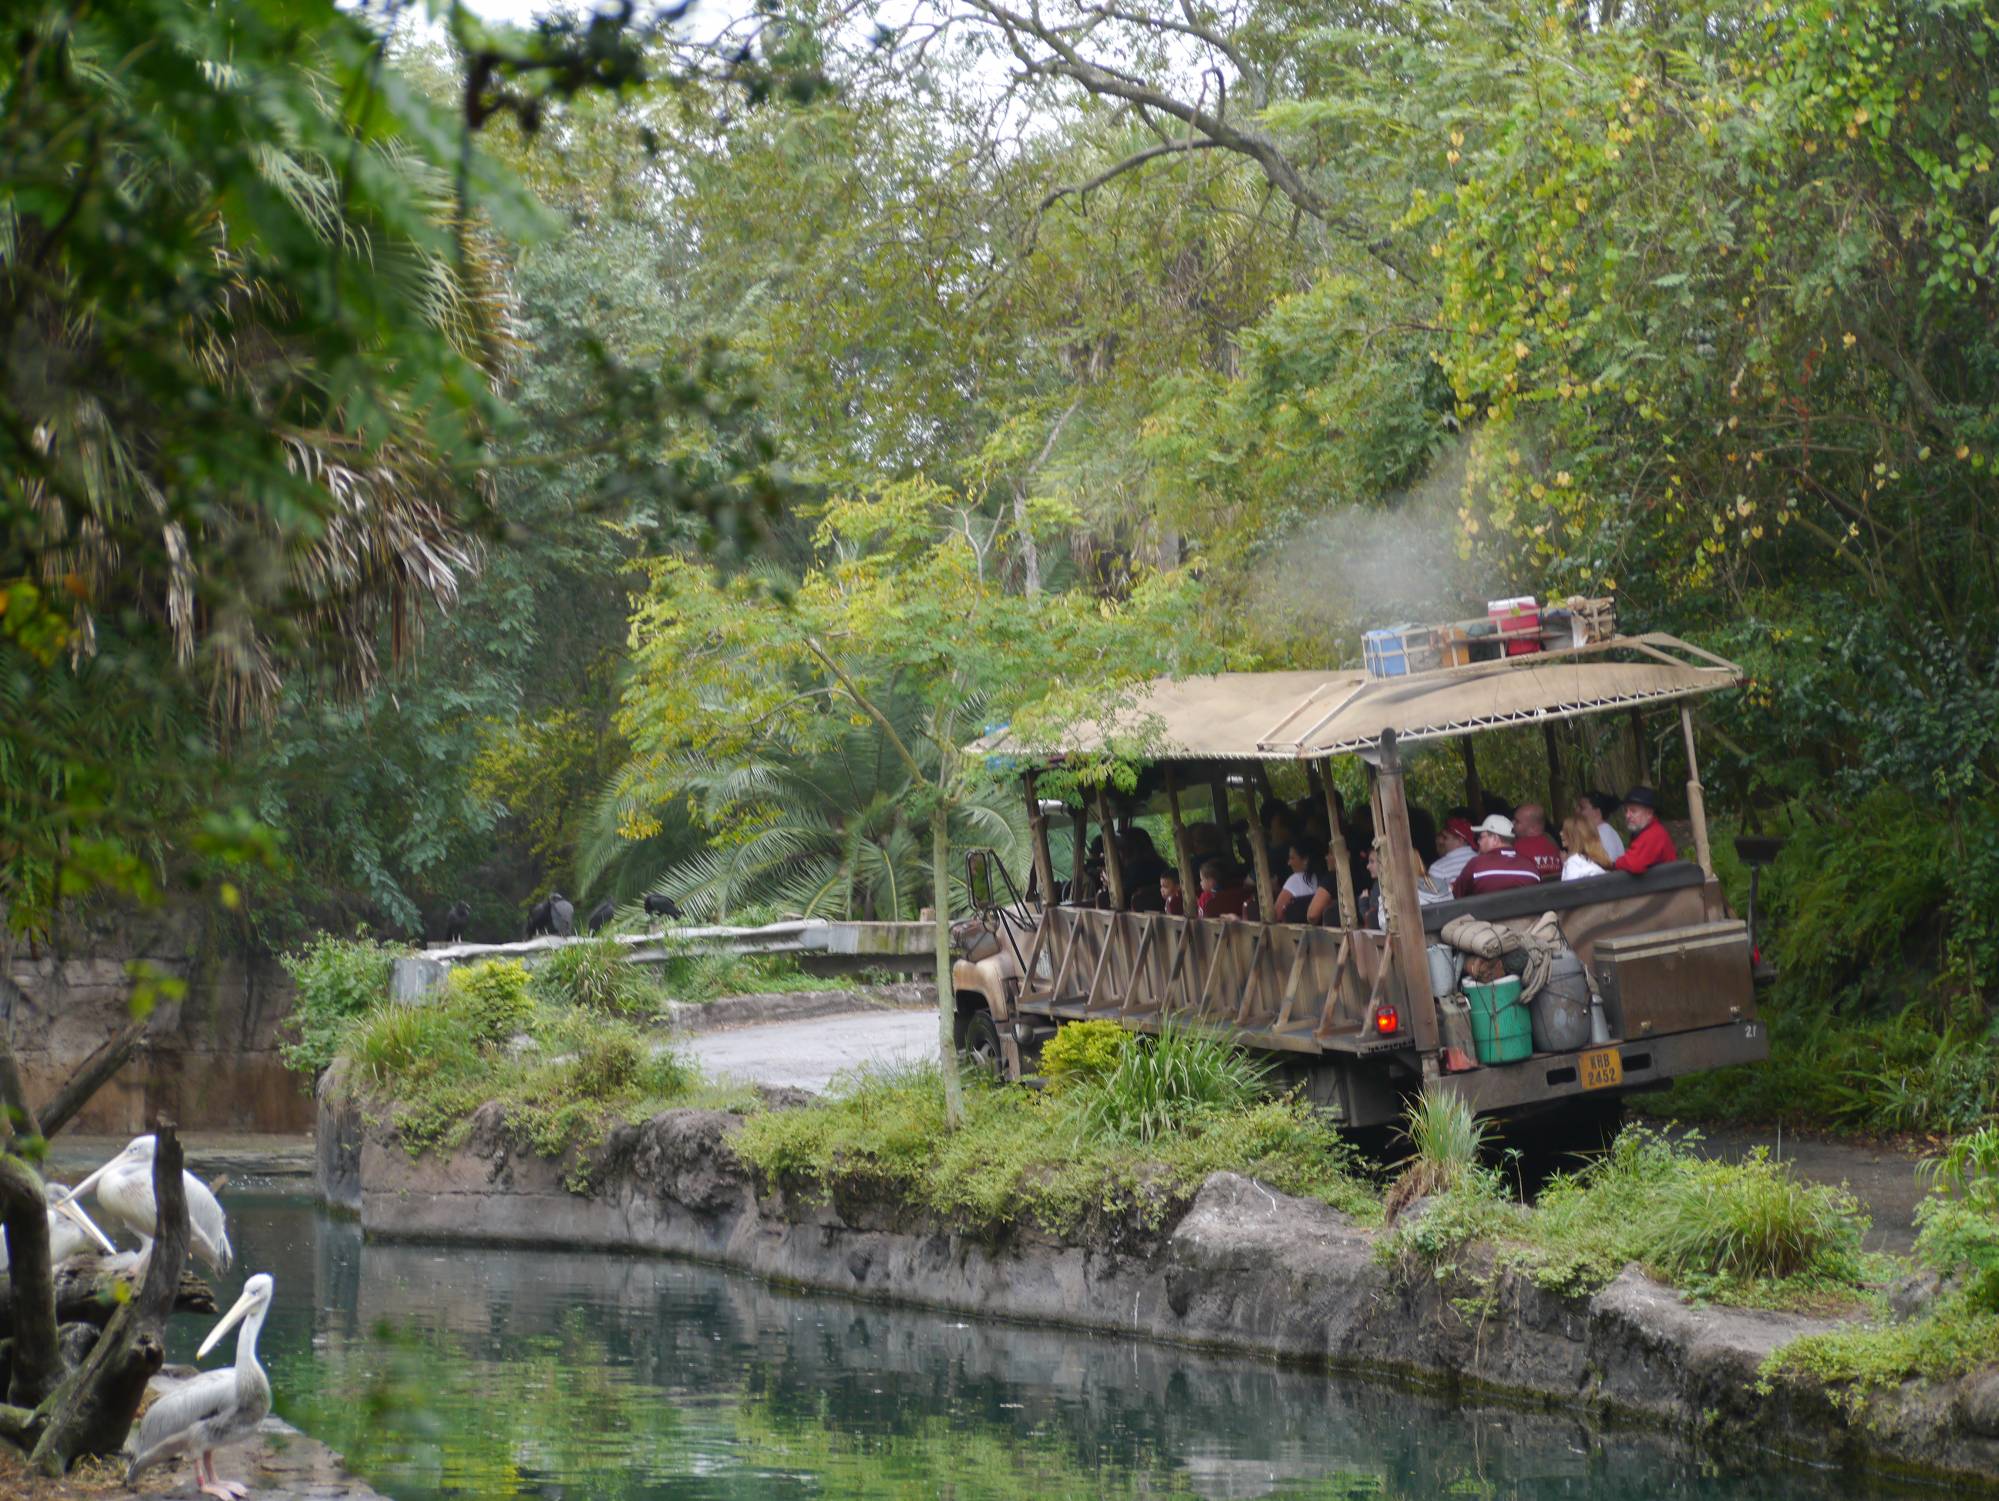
(37, 1358)
(947, 1000)
(1030, 556)
(92, 1411)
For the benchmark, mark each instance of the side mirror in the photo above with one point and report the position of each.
(979, 877)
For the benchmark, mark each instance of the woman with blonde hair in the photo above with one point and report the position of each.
(1587, 856)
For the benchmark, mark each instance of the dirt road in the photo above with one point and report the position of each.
(807, 1054)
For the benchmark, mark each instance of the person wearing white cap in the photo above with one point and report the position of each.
(1497, 866)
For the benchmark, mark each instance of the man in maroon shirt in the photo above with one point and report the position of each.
(1650, 843)
(1497, 866)
(1531, 842)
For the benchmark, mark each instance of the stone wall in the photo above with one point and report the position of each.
(209, 1061)
(1242, 1267)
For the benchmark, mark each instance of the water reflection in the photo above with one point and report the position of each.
(489, 1373)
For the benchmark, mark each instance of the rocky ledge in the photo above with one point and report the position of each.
(1241, 1267)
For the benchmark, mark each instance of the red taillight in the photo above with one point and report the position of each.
(1385, 1019)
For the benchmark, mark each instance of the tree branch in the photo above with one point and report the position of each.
(1135, 160)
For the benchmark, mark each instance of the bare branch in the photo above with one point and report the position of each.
(1135, 160)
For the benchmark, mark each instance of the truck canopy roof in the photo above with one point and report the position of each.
(1304, 716)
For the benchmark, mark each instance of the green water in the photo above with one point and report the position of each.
(461, 1372)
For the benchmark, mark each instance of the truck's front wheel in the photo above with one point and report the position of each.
(980, 1043)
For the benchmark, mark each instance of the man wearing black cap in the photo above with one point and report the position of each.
(1650, 843)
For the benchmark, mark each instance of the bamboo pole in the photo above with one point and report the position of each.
(1696, 801)
(1190, 888)
(1404, 919)
(1337, 853)
(1113, 867)
(1037, 828)
(1259, 854)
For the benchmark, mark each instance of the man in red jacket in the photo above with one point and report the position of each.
(1650, 843)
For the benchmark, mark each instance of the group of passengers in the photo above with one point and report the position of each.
(1502, 851)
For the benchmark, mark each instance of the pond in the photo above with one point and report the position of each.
(448, 1371)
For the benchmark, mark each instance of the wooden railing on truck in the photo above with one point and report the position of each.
(1278, 986)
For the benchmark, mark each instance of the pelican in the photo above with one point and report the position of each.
(71, 1231)
(125, 1194)
(215, 1408)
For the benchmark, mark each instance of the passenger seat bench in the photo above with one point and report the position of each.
(1562, 896)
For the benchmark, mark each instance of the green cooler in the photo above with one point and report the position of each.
(1502, 1029)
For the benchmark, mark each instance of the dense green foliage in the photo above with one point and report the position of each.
(338, 981)
(1084, 1051)
(1027, 1156)
(744, 451)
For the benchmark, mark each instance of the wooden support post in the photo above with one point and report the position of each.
(1638, 749)
(1398, 885)
(1218, 790)
(1558, 801)
(1190, 887)
(1113, 867)
(1037, 828)
(1338, 854)
(1259, 854)
(1474, 793)
(1079, 828)
(1696, 802)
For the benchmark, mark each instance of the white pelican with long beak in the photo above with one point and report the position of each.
(215, 1408)
(71, 1231)
(125, 1193)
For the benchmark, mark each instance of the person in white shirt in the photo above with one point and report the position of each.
(1455, 842)
(1595, 808)
(1586, 854)
(1299, 886)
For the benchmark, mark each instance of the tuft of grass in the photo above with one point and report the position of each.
(1752, 1219)
(1445, 1145)
(1167, 1083)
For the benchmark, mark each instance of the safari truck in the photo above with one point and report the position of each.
(1352, 1012)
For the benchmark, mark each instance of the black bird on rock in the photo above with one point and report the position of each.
(540, 917)
(661, 906)
(601, 915)
(561, 915)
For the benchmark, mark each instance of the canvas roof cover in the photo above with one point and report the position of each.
(1307, 715)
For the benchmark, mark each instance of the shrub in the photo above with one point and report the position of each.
(404, 1046)
(1752, 1219)
(1083, 1051)
(492, 998)
(597, 976)
(1170, 1081)
(608, 1064)
(1959, 1234)
(339, 981)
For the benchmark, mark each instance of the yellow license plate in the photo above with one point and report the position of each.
(1601, 1068)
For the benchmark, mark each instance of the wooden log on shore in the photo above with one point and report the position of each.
(87, 1293)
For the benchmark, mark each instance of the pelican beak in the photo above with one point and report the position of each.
(87, 1184)
(72, 1211)
(229, 1321)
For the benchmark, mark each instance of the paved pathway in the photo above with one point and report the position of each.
(807, 1054)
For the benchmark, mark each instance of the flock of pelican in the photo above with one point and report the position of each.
(216, 1408)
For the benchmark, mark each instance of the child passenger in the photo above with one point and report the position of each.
(1170, 894)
